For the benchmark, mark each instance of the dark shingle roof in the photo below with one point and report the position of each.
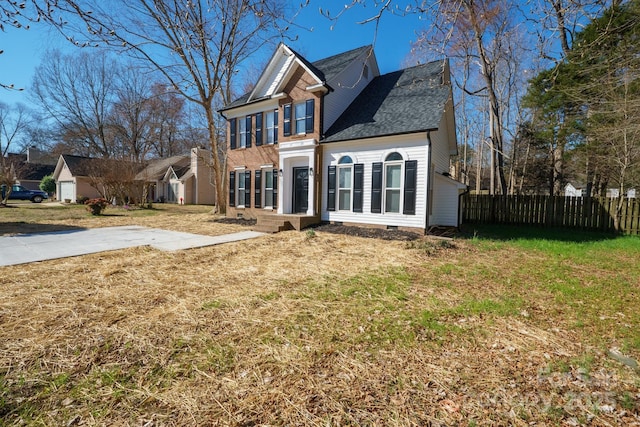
(405, 101)
(91, 166)
(325, 69)
(333, 65)
(34, 172)
(81, 166)
(156, 169)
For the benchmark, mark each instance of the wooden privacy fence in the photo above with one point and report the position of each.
(587, 213)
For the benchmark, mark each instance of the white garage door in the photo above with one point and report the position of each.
(66, 191)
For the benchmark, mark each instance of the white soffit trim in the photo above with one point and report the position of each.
(280, 50)
(317, 87)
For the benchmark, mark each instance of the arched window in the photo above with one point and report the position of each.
(393, 157)
(393, 182)
(345, 174)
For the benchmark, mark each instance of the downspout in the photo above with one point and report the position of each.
(429, 183)
(459, 219)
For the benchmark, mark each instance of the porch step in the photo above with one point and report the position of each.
(274, 223)
(271, 225)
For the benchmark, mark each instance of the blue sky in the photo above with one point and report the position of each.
(24, 49)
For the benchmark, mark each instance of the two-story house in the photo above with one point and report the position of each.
(335, 141)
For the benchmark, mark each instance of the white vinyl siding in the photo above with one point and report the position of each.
(445, 201)
(346, 87)
(370, 151)
(440, 151)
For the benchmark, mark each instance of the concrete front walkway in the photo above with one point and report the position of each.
(25, 248)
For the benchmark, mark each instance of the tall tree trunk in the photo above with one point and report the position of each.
(219, 171)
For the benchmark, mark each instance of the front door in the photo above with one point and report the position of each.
(300, 190)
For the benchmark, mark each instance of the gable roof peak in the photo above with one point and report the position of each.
(283, 61)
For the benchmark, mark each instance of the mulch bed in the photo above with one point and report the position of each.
(236, 221)
(368, 232)
(373, 233)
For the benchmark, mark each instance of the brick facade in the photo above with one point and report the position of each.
(259, 158)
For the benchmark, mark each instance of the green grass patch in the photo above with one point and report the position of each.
(390, 284)
(507, 306)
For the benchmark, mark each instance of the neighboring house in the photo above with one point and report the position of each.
(615, 192)
(180, 179)
(30, 175)
(73, 177)
(29, 169)
(571, 191)
(335, 141)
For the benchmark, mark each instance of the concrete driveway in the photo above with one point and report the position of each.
(25, 248)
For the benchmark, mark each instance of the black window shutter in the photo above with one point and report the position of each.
(358, 184)
(410, 180)
(232, 188)
(232, 137)
(331, 193)
(376, 188)
(286, 109)
(258, 129)
(275, 127)
(247, 189)
(309, 116)
(274, 203)
(248, 119)
(257, 200)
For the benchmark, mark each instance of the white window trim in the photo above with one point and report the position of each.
(240, 173)
(339, 189)
(384, 187)
(295, 118)
(265, 169)
(242, 132)
(270, 130)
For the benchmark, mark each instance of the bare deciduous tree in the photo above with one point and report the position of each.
(482, 34)
(13, 122)
(77, 92)
(197, 45)
(167, 123)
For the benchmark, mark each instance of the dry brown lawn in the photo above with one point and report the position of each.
(308, 329)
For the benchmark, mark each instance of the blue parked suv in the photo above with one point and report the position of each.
(18, 192)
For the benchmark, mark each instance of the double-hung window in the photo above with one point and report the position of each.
(300, 112)
(268, 188)
(345, 184)
(264, 185)
(298, 118)
(393, 185)
(392, 182)
(245, 132)
(271, 126)
(240, 188)
(345, 173)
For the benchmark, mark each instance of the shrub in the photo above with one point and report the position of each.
(82, 200)
(48, 184)
(96, 206)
